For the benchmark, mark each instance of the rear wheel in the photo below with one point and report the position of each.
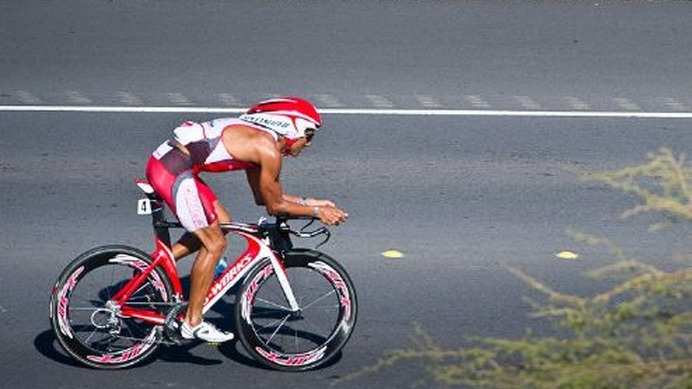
(295, 341)
(88, 326)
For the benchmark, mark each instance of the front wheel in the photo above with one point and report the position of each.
(294, 341)
(85, 321)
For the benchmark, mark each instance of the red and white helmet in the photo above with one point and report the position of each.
(287, 116)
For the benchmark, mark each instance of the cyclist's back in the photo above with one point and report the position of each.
(204, 146)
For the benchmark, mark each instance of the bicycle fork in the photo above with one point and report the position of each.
(280, 270)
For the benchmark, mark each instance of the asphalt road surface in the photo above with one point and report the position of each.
(461, 196)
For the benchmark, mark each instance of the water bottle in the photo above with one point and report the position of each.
(220, 267)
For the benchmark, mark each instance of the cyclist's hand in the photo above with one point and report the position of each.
(332, 216)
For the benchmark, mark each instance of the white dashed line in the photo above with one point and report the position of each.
(626, 103)
(576, 103)
(428, 101)
(27, 98)
(228, 99)
(129, 98)
(77, 98)
(527, 102)
(178, 99)
(477, 102)
(328, 101)
(379, 101)
(674, 104)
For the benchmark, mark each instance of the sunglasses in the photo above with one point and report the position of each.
(309, 134)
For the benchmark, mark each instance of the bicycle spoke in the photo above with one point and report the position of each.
(277, 305)
(278, 328)
(319, 299)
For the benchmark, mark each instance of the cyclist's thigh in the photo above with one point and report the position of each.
(222, 213)
(194, 202)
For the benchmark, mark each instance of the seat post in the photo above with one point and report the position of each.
(158, 216)
(158, 219)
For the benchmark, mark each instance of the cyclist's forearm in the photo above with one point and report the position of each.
(308, 201)
(295, 199)
(293, 208)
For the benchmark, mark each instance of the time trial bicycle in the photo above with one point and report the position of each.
(114, 306)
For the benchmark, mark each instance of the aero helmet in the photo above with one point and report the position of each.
(286, 116)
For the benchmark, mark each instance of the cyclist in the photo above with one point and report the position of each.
(254, 142)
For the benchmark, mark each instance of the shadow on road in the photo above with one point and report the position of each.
(46, 344)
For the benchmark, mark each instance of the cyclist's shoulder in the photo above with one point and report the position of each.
(247, 143)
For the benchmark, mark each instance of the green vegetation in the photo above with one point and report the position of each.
(637, 334)
(663, 185)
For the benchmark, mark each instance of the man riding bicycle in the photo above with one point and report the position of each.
(255, 142)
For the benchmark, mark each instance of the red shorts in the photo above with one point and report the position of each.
(174, 179)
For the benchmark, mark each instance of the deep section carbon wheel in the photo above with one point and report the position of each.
(299, 340)
(88, 324)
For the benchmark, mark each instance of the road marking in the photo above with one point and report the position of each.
(77, 98)
(379, 101)
(228, 99)
(393, 254)
(567, 255)
(577, 103)
(527, 102)
(178, 99)
(329, 101)
(355, 111)
(626, 103)
(129, 98)
(477, 102)
(674, 104)
(428, 101)
(28, 98)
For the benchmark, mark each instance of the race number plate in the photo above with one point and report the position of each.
(144, 207)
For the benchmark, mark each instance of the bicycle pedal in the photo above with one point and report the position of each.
(167, 341)
(171, 326)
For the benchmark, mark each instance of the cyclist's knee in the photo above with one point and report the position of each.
(213, 240)
(218, 245)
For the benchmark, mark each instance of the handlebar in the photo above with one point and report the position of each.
(282, 223)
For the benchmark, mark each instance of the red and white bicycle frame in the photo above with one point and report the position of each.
(257, 250)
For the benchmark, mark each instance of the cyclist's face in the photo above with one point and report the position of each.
(293, 148)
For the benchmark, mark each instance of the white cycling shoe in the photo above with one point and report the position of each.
(206, 332)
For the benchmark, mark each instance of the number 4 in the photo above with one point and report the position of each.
(144, 207)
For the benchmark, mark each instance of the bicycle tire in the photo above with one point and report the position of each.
(289, 341)
(91, 332)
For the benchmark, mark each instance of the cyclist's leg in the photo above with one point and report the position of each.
(170, 172)
(196, 210)
(213, 245)
(189, 243)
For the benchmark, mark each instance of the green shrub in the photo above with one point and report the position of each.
(637, 334)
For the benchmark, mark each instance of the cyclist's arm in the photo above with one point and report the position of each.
(270, 189)
(267, 189)
(253, 179)
(308, 201)
(266, 186)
